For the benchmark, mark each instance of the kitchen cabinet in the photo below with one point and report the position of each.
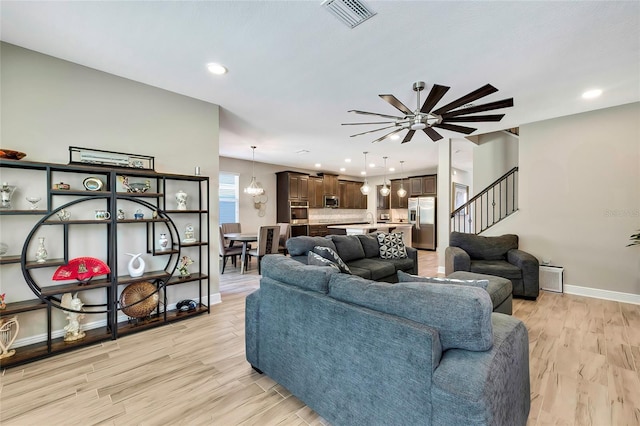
(396, 202)
(345, 202)
(318, 230)
(382, 202)
(423, 185)
(315, 192)
(330, 185)
(66, 218)
(290, 187)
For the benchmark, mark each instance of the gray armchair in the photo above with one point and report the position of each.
(498, 256)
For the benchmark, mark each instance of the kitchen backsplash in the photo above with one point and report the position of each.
(337, 215)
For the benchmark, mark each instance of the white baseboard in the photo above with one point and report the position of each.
(597, 293)
(214, 300)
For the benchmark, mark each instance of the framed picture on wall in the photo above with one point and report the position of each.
(459, 196)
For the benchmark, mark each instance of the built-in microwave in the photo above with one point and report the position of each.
(331, 201)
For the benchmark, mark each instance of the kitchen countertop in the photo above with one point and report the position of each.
(378, 225)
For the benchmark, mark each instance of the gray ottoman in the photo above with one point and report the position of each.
(499, 289)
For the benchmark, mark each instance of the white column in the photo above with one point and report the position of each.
(444, 199)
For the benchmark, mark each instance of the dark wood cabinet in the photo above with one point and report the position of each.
(315, 192)
(345, 202)
(415, 186)
(318, 230)
(382, 202)
(291, 186)
(330, 185)
(423, 185)
(396, 202)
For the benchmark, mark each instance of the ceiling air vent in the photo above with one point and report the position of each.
(351, 12)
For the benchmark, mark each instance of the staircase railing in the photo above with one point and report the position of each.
(493, 204)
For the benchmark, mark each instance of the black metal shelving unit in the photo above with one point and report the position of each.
(48, 293)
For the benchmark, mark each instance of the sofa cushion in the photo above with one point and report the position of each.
(391, 246)
(330, 254)
(462, 315)
(499, 288)
(370, 244)
(348, 247)
(499, 268)
(317, 260)
(289, 271)
(298, 246)
(378, 268)
(484, 248)
(404, 277)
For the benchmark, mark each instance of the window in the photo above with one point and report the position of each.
(229, 197)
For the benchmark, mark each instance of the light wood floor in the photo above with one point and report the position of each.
(585, 370)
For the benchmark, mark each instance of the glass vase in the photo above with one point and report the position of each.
(41, 253)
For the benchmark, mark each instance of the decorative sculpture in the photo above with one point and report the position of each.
(181, 199)
(72, 330)
(182, 266)
(7, 191)
(8, 332)
(3, 305)
(135, 271)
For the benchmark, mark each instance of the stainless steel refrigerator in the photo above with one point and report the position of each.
(422, 214)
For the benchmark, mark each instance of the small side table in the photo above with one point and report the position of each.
(551, 278)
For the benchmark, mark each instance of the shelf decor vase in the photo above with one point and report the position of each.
(183, 266)
(181, 199)
(163, 242)
(7, 191)
(135, 271)
(41, 253)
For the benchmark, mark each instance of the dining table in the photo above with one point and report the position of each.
(245, 239)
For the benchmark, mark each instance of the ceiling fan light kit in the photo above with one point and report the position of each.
(425, 118)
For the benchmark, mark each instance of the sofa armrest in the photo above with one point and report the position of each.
(413, 255)
(489, 388)
(530, 270)
(252, 318)
(456, 259)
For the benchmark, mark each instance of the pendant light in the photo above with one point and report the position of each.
(253, 188)
(365, 186)
(385, 191)
(402, 192)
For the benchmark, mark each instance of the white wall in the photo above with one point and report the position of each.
(580, 196)
(495, 154)
(49, 104)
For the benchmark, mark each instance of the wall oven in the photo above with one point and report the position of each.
(299, 212)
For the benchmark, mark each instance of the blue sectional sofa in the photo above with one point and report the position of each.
(361, 352)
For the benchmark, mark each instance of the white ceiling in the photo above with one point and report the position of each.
(295, 70)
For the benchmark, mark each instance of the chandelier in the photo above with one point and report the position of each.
(402, 192)
(253, 188)
(365, 186)
(385, 191)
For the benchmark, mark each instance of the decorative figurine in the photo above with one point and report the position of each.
(72, 330)
(181, 199)
(62, 185)
(8, 332)
(182, 266)
(138, 215)
(133, 270)
(163, 242)
(63, 215)
(7, 191)
(120, 215)
(3, 305)
(41, 253)
(134, 187)
(154, 214)
(189, 234)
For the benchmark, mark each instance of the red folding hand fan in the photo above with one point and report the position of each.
(81, 269)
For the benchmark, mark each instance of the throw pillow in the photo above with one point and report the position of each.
(403, 277)
(316, 259)
(329, 253)
(392, 246)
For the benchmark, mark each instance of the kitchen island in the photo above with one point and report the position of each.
(355, 229)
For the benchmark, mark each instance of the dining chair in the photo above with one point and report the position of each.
(285, 234)
(229, 228)
(228, 252)
(268, 239)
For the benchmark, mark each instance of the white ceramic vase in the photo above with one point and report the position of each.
(135, 271)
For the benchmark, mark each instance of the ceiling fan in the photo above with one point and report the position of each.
(425, 118)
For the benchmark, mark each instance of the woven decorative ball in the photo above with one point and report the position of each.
(136, 292)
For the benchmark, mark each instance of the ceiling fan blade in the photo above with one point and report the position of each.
(375, 113)
(389, 134)
(408, 137)
(372, 122)
(435, 136)
(455, 128)
(396, 103)
(436, 93)
(374, 130)
(472, 118)
(504, 103)
(470, 97)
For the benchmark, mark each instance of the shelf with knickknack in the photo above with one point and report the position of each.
(103, 212)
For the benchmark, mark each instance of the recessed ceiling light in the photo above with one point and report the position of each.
(342, 169)
(318, 165)
(395, 137)
(392, 169)
(347, 160)
(591, 94)
(363, 173)
(216, 69)
(372, 165)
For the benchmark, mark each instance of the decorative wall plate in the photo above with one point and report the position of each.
(92, 184)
